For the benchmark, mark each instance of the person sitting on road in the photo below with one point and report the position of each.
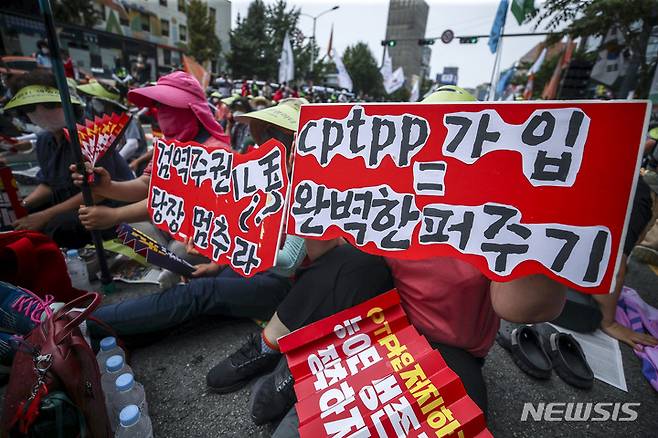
(450, 302)
(184, 115)
(53, 204)
(221, 291)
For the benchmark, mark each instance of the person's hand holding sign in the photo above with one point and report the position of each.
(97, 217)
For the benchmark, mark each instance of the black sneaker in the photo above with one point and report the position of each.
(272, 395)
(235, 371)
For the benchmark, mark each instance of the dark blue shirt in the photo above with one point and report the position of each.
(55, 159)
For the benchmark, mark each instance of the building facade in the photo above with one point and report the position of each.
(148, 33)
(407, 20)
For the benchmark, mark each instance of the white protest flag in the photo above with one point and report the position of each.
(527, 93)
(415, 89)
(395, 82)
(344, 79)
(286, 62)
(611, 63)
(387, 67)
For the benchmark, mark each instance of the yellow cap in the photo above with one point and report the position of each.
(653, 133)
(229, 100)
(284, 115)
(97, 90)
(37, 94)
(449, 93)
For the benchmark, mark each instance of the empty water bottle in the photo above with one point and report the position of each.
(108, 348)
(77, 270)
(128, 392)
(133, 424)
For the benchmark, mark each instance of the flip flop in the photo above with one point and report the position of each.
(526, 347)
(566, 356)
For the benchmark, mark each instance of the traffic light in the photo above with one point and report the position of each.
(468, 40)
(425, 42)
(389, 43)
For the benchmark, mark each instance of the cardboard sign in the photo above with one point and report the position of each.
(512, 188)
(152, 251)
(10, 207)
(366, 372)
(100, 135)
(230, 205)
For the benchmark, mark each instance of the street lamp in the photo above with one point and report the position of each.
(314, 20)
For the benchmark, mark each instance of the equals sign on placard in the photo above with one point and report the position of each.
(428, 178)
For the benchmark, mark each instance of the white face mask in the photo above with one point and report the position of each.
(98, 106)
(238, 113)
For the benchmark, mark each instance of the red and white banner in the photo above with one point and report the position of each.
(512, 188)
(230, 205)
(100, 135)
(366, 372)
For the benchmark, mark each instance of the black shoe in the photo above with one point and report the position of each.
(567, 357)
(526, 347)
(235, 371)
(272, 395)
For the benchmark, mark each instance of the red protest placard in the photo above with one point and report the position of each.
(229, 205)
(512, 188)
(365, 370)
(10, 207)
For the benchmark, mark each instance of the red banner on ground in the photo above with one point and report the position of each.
(513, 188)
(366, 372)
(230, 205)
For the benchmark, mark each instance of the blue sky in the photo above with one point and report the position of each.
(365, 20)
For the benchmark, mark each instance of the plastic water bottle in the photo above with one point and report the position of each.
(77, 270)
(108, 348)
(128, 392)
(134, 424)
(114, 367)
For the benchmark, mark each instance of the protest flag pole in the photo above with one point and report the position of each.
(62, 84)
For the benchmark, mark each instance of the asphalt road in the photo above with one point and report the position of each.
(173, 371)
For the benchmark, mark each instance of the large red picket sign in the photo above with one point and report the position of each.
(230, 205)
(366, 372)
(513, 188)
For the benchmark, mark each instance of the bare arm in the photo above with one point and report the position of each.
(535, 298)
(126, 191)
(101, 217)
(38, 196)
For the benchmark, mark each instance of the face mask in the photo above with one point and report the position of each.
(237, 113)
(177, 123)
(98, 106)
(45, 50)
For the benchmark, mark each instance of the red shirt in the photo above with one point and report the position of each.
(448, 301)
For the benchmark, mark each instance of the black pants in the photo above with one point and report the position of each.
(467, 367)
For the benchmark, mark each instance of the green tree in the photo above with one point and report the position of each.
(80, 12)
(250, 49)
(362, 67)
(203, 42)
(584, 18)
(257, 39)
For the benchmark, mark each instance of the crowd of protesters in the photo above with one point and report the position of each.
(449, 301)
